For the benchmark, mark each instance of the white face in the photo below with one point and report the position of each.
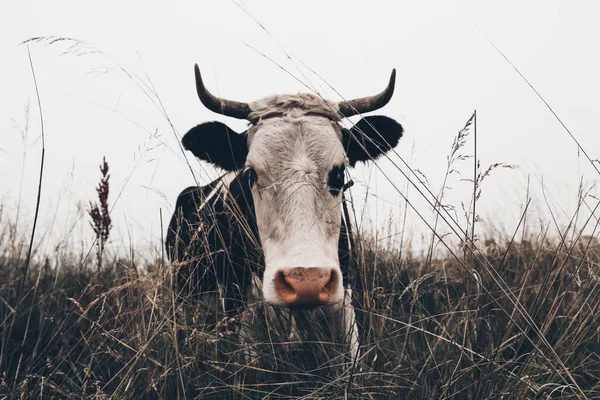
(298, 217)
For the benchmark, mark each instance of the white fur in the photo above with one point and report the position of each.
(292, 103)
(344, 320)
(298, 218)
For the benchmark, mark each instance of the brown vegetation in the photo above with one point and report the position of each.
(428, 330)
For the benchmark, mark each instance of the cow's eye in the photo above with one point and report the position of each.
(250, 175)
(335, 180)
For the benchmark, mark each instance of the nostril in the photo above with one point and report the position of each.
(284, 287)
(328, 284)
(331, 282)
(325, 277)
(289, 281)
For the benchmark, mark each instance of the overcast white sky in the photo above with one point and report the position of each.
(446, 69)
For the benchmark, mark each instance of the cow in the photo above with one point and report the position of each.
(272, 228)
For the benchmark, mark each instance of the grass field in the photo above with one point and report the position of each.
(522, 325)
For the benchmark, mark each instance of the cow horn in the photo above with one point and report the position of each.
(371, 103)
(228, 108)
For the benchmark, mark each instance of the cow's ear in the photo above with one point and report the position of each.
(216, 143)
(371, 137)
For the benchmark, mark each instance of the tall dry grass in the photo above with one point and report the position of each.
(516, 319)
(428, 330)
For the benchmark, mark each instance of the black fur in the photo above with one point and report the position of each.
(335, 180)
(371, 137)
(213, 245)
(216, 143)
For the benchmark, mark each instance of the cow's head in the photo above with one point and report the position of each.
(294, 157)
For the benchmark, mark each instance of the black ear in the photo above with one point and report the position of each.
(216, 143)
(371, 137)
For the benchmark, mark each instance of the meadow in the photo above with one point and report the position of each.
(511, 318)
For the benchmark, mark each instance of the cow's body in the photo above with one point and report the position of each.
(277, 213)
